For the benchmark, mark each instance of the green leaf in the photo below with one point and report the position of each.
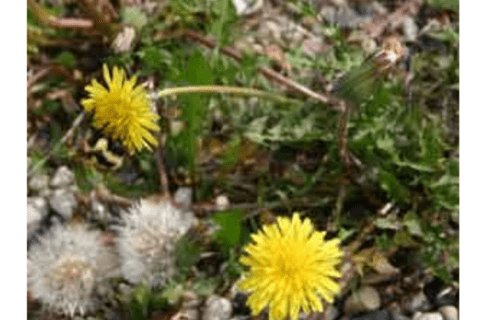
(205, 287)
(392, 186)
(390, 222)
(155, 58)
(67, 59)
(187, 253)
(172, 292)
(230, 227)
(446, 4)
(198, 71)
(412, 221)
(222, 26)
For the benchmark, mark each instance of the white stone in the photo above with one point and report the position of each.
(183, 196)
(37, 209)
(428, 316)
(449, 312)
(62, 178)
(217, 308)
(331, 313)
(365, 299)
(38, 182)
(410, 29)
(247, 7)
(222, 202)
(63, 202)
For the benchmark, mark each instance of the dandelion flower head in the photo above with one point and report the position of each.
(291, 268)
(61, 269)
(147, 238)
(123, 110)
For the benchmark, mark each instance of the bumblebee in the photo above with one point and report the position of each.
(105, 154)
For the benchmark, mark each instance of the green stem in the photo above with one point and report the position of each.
(223, 89)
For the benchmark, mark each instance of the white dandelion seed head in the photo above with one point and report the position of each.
(61, 269)
(146, 242)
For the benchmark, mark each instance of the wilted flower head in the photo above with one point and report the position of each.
(123, 110)
(291, 268)
(147, 237)
(61, 268)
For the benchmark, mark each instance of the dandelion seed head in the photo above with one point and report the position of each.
(147, 237)
(61, 269)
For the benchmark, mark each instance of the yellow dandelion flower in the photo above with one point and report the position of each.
(291, 268)
(122, 111)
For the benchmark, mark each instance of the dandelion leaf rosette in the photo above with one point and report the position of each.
(291, 268)
(122, 111)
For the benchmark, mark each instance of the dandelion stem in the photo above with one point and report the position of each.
(223, 89)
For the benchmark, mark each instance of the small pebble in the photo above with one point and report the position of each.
(410, 29)
(125, 40)
(37, 209)
(449, 312)
(427, 316)
(63, 202)
(331, 313)
(183, 196)
(375, 315)
(247, 7)
(418, 302)
(38, 182)
(448, 296)
(217, 308)
(222, 202)
(363, 300)
(62, 178)
(399, 316)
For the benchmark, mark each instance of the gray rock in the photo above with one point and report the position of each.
(339, 3)
(398, 316)
(331, 313)
(62, 178)
(449, 312)
(375, 315)
(99, 211)
(217, 308)
(38, 182)
(427, 316)
(125, 40)
(448, 296)
(418, 302)
(269, 32)
(247, 7)
(292, 33)
(364, 300)
(313, 46)
(63, 202)
(183, 196)
(222, 202)
(328, 13)
(347, 18)
(37, 209)
(379, 8)
(410, 29)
